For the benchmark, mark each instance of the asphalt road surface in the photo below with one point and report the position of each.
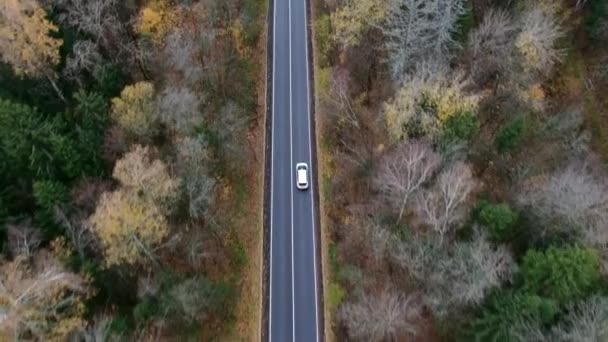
(294, 302)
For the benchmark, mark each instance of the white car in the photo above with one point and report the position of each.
(302, 176)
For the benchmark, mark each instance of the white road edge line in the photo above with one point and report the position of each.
(291, 171)
(312, 200)
(274, 44)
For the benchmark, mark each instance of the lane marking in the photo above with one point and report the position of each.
(274, 49)
(310, 142)
(293, 291)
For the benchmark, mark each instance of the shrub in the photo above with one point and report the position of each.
(563, 274)
(511, 135)
(498, 220)
(324, 39)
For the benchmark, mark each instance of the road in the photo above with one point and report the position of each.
(294, 307)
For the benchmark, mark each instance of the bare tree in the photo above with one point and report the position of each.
(78, 230)
(416, 255)
(183, 52)
(536, 41)
(341, 97)
(98, 18)
(84, 58)
(491, 43)
(572, 197)
(494, 35)
(418, 29)
(404, 170)
(444, 206)
(466, 274)
(197, 183)
(387, 316)
(454, 275)
(23, 239)
(586, 321)
(230, 126)
(178, 108)
(97, 330)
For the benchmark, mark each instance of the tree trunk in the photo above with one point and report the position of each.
(57, 90)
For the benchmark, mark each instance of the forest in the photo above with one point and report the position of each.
(125, 203)
(463, 148)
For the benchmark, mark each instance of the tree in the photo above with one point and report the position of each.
(459, 128)
(38, 146)
(40, 298)
(198, 185)
(427, 99)
(563, 274)
(156, 19)
(129, 227)
(179, 109)
(25, 42)
(574, 197)
(78, 230)
(498, 220)
(466, 274)
(512, 134)
(134, 110)
(507, 314)
(84, 58)
(228, 130)
(24, 38)
(23, 238)
(48, 195)
(587, 321)
(353, 20)
(445, 205)
(492, 41)
(536, 40)
(182, 52)
(404, 170)
(97, 18)
(418, 29)
(382, 317)
(147, 178)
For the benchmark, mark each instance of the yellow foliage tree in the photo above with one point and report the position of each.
(24, 38)
(150, 179)
(134, 110)
(156, 19)
(427, 99)
(129, 227)
(352, 20)
(40, 299)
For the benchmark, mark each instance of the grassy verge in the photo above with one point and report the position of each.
(333, 292)
(248, 251)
